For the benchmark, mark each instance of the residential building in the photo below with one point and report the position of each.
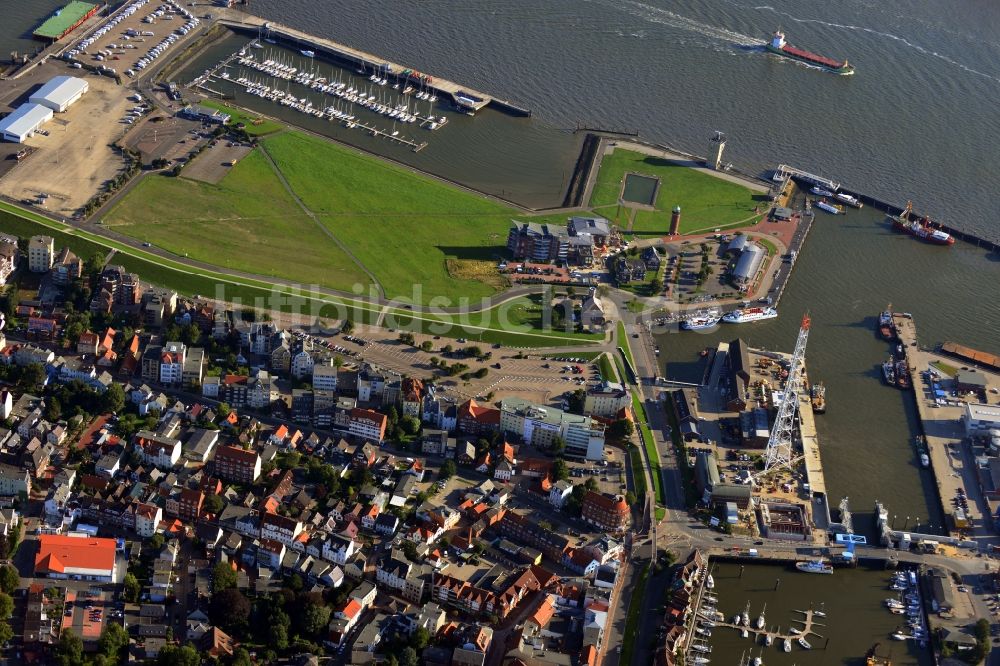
(279, 528)
(172, 360)
(412, 396)
(368, 424)
(235, 464)
(8, 257)
(608, 512)
(189, 501)
(324, 377)
(41, 253)
(14, 480)
(66, 267)
(147, 519)
(474, 419)
(606, 400)
(163, 452)
(539, 426)
(559, 493)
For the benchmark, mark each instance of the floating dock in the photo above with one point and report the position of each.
(463, 97)
(65, 20)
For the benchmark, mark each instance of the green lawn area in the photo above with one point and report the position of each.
(944, 368)
(607, 369)
(706, 201)
(647, 440)
(255, 125)
(638, 477)
(631, 631)
(247, 222)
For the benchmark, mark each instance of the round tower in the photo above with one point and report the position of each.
(675, 221)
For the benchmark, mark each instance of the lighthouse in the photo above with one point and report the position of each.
(675, 221)
(718, 144)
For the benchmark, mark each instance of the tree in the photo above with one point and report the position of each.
(69, 651)
(448, 469)
(621, 429)
(558, 444)
(409, 549)
(53, 409)
(347, 327)
(630, 498)
(560, 470)
(9, 579)
(408, 657)
(410, 425)
(6, 633)
(314, 616)
(213, 504)
(156, 542)
(223, 410)
(278, 636)
(113, 399)
(241, 658)
(223, 577)
(590, 484)
(6, 606)
(112, 641)
(427, 345)
(230, 609)
(175, 655)
(132, 587)
(420, 638)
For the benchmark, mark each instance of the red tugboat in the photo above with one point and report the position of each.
(919, 228)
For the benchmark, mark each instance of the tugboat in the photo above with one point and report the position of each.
(885, 326)
(903, 375)
(919, 228)
(889, 372)
(819, 398)
(779, 46)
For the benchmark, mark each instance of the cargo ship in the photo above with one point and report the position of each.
(747, 315)
(818, 398)
(779, 46)
(885, 326)
(919, 228)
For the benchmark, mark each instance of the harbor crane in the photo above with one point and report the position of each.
(780, 450)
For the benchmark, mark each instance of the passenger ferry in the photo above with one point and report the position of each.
(747, 315)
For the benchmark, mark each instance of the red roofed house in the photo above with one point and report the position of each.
(235, 464)
(476, 420)
(85, 558)
(108, 341)
(608, 512)
(367, 424)
(413, 397)
(87, 343)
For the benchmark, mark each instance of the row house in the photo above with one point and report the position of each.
(235, 464)
(8, 257)
(338, 549)
(109, 513)
(153, 449)
(411, 397)
(526, 531)
(279, 528)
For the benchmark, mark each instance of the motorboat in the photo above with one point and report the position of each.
(760, 618)
(804, 643)
(786, 645)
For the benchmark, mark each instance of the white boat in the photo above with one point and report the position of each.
(804, 643)
(894, 603)
(820, 192)
(819, 613)
(699, 660)
(706, 623)
(307, 53)
(701, 648)
(925, 461)
(833, 209)
(745, 633)
(747, 315)
(768, 640)
(787, 645)
(702, 631)
(793, 630)
(899, 636)
(758, 661)
(745, 617)
(700, 322)
(710, 582)
(760, 618)
(848, 199)
(736, 620)
(814, 566)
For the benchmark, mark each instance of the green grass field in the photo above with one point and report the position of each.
(263, 127)
(706, 201)
(631, 632)
(647, 440)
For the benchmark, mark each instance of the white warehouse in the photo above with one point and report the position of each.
(60, 92)
(22, 122)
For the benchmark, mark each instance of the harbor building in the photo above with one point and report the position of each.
(980, 419)
(783, 520)
(41, 250)
(539, 426)
(60, 92)
(749, 263)
(22, 123)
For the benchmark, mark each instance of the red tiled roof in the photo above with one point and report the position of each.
(351, 609)
(57, 553)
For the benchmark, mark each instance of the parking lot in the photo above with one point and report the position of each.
(136, 37)
(213, 163)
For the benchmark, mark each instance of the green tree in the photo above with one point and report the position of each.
(410, 425)
(427, 345)
(69, 650)
(113, 400)
(630, 498)
(347, 327)
(112, 641)
(6, 633)
(241, 658)
(410, 550)
(9, 579)
(448, 469)
(558, 445)
(420, 638)
(177, 655)
(560, 470)
(590, 484)
(408, 657)
(213, 504)
(314, 616)
(278, 636)
(6, 606)
(230, 609)
(131, 587)
(223, 410)
(53, 409)
(223, 577)
(621, 429)
(156, 542)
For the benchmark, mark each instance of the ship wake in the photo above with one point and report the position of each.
(668, 18)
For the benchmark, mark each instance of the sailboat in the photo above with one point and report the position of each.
(745, 617)
(760, 618)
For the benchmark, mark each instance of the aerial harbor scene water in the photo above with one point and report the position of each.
(575, 332)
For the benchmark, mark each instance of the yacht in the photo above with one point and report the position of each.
(760, 618)
(814, 566)
(804, 643)
(786, 645)
(710, 582)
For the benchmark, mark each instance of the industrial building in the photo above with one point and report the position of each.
(22, 123)
(749, 263)
(60, 93)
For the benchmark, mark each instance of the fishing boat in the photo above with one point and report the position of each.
(919, 228)
(804, 643)
(779, 46)
(885, 326)
(833, 209)
(903, 375)
(760, 618)
(818, 398)
(848, 199)
(814, 566)
(786, 645)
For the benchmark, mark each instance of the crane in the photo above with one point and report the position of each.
(780, 452)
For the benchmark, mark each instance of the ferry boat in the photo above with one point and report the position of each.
(919, 228)
(779, 46)
(820, 192)
(700, 322)
(848, 199)
(814, 566)
(818, 398)
(833, 209)
(885, 326)
(889, 372)
(747, 315)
